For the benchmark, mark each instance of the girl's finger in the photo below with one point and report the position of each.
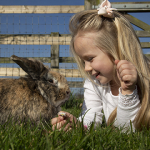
(56, 120)
(124, 67)
(59, 125)
(68, 116)
(125, 73)
(126, 78)
(67, 127)
(121, 62)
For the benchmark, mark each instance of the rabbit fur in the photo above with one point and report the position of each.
(35, 97)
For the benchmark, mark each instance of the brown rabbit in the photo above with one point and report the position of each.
(35, 97)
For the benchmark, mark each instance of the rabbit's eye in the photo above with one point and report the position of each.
(51, 81)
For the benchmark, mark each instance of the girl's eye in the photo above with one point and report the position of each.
(90, 58)
(51, 81)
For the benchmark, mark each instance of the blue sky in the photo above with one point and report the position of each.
(42, 2)
(55, 2)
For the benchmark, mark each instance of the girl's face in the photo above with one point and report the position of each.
(97, 63)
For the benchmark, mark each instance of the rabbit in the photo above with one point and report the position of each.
(36, 96)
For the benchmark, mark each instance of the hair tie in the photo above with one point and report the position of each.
(106, 10)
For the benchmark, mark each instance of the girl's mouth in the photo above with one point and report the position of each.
(97, 75)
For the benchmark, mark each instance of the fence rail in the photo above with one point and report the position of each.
(19, 72)
(50, 39)
(41, 9)
(35, 39)
(66, 72)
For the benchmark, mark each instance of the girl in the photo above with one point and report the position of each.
(116, 72)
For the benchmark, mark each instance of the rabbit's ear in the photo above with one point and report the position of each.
(33, 67)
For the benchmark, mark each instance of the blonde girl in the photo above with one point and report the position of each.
(116, 72)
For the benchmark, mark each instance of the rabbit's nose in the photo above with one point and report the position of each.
(67, 92)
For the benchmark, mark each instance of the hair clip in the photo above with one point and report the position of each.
(106, 10)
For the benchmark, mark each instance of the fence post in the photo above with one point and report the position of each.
(55, 52)
(88, 4)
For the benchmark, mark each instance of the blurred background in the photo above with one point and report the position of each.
(40, 29)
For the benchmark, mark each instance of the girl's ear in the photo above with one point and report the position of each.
(32, 67)
(116, 62)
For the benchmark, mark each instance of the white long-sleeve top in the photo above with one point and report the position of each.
(98, 98)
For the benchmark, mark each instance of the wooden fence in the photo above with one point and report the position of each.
(55, 39)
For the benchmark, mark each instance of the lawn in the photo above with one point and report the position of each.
(42, 137)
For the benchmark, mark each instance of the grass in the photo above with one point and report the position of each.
(22, 136)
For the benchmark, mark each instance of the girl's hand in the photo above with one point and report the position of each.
(66, 122)
(127, 75)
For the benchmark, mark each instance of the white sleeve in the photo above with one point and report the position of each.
(92, 105)
(128, 107)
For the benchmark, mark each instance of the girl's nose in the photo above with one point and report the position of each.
(88, 67)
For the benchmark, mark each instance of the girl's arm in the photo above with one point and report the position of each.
(92, 105)
(128, 103)
(128, 107)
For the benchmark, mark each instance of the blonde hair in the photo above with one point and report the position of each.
(118, 39)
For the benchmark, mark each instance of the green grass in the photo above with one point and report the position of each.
(42, 137)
